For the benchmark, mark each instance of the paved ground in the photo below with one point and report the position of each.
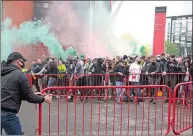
(28, 116)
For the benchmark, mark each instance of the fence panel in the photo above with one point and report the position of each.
(42, 81)
(170, 79)
(98, 79)
(145, 113)
(182, 107)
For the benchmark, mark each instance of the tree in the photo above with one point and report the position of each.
(171, 48)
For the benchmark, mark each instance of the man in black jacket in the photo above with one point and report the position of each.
(154, 79)
(119, 80)
(15, 88)
(162, 61)
(96, 80)
(168, 73)
(52, 71)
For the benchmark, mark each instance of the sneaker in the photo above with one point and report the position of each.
(151, 101)
(57, 97)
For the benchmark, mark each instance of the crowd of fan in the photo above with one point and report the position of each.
(120, 71)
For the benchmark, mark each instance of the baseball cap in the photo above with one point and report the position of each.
(15, 56)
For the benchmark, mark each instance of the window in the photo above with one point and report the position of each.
(189, 38)
(38, 5)
(168, 37)
(46, 5)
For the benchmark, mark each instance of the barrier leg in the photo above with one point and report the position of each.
(40, 120)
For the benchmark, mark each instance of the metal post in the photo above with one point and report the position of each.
(171, 29)
(173, 33)
(186, 36)
(180, 32)
(90, 21)
(40, 120)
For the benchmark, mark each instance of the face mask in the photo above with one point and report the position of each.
(158, 58)
(21, 64)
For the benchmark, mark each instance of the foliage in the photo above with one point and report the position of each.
(171, 48)
(145, 50)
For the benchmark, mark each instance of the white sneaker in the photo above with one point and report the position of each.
(57, 96)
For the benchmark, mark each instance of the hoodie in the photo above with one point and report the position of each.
(97, 68)
(15, 87)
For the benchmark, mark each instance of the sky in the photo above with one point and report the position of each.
(137, 17)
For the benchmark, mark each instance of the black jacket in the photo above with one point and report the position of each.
(15, 88)
(98, 68)
(162, 63)
(121, 69)
(37, 68)
(53, 69)
(154, 67)
(69, 68)
(180, 68)
(168, 68)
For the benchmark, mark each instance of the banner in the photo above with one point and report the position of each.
(159, 30)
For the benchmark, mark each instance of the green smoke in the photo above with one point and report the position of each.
(31, 33)
(134, 45)
(7, 38)
(81, 56)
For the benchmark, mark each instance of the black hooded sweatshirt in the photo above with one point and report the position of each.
(98, 69)
(15, 87)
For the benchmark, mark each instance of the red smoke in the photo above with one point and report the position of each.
(71, 30)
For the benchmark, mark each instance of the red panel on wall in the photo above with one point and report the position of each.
(18, 11)
(159, 30)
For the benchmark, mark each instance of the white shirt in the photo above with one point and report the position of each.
(81, 62)
(135, 71)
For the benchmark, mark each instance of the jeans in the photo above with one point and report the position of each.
(11, 124)
(119, 91)
(51, 81)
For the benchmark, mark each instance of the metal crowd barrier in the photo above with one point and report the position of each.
(182, 107)
(139, 118)
(170, 79)
(109, 117)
